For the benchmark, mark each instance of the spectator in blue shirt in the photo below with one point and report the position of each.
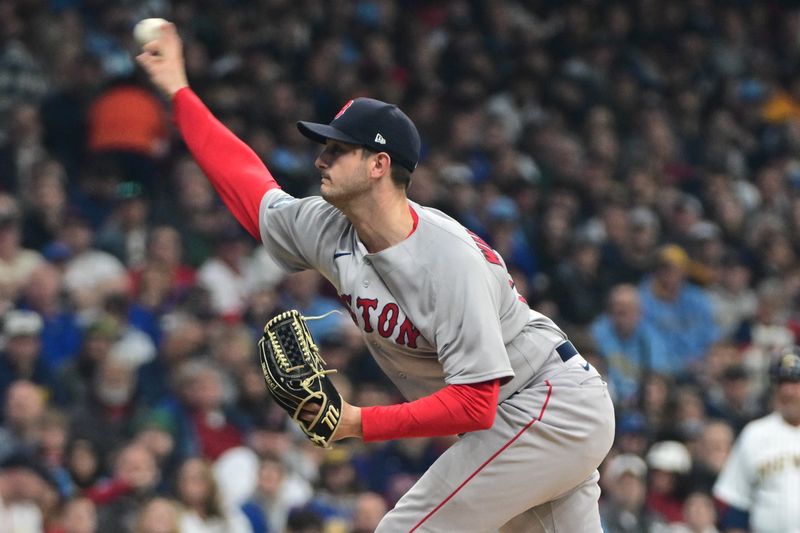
(61, 336)
(680, 311)
(631, 347)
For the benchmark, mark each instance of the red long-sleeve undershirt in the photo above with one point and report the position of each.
(452, 410)
(241, 179)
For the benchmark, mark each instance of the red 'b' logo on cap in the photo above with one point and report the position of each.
(343, 109)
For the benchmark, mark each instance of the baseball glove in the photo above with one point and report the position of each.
(296, 377)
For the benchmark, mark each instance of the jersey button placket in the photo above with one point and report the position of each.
(365, 282)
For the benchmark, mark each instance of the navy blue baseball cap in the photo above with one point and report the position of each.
(377, 125)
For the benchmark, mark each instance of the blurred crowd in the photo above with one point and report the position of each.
(636, 163)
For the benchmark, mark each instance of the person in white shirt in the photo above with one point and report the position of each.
(760, 483)
(90, 275)
(203, 511)
(225, 274)
(24, 489)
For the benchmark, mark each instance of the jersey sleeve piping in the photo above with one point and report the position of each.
(297, 231)
(499, 374)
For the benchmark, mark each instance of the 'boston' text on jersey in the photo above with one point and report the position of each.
(387, 321)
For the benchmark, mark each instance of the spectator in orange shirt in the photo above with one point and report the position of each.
(129, 123)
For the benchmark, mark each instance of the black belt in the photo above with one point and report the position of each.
(566, 350)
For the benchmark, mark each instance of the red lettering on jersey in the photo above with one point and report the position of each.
(514, 288)
(343, 109)
(347, 302)
(489, 254)
(386, 324)
(408, 334)
(365, 304)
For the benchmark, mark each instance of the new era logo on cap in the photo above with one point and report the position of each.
(359, 120)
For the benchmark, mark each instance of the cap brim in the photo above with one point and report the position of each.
(322, 132)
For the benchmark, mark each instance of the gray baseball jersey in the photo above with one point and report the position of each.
(440, 308)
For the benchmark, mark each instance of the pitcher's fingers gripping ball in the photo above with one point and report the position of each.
(296, 377)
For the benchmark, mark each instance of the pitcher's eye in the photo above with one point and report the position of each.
(332, 150)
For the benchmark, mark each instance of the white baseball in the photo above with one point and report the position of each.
(147, 30)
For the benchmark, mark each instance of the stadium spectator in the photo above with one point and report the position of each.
(690, 413)
(16, 263)
(224, 273)
(23, 77)
(106, 414)
(24, 148)
(195, 214)
(90, 275)
(278, 492)
(735, 405)
(84, 464)
(710, 453)
(46, 204)
(78, 374)
(668, 463)
(733, 299)
(633, 434)
(630, 346)
(769, 330)
(638, 251)
(155, 430)
(124, 232)
(369, 510)
(79, 515)
(61, 334)
(25, 493)
(205, 424)
(203, 510)
(23, 410)
(133, 345)
(159, 515)
(699, 515)
(624, 510)
(21, 358)
(678, 310)
(578, 284)
(184, 337)
(53, 432)
(128, 124)
(134, 479)
(335, 498)
(304, 521)
(163, 277)
(504, 234)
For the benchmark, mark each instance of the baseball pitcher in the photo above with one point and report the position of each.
(438, 311)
